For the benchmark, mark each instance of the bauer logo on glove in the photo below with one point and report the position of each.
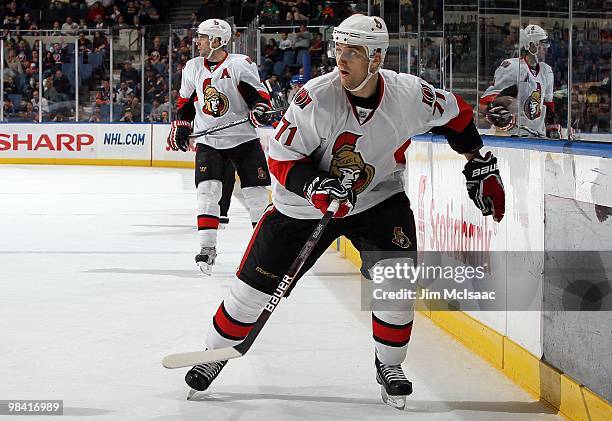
(485, 187)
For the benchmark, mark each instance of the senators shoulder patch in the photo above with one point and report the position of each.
(302, 98)
(505, 63)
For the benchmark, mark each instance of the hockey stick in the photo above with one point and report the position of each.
(188, 359)
(231, 124)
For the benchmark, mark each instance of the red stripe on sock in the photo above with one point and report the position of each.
(390, 333)
(208, 222)
(229, 326)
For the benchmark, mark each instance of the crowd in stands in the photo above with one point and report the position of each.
(288, 52)
(60, 23)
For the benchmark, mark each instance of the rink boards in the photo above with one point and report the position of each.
(551, 188)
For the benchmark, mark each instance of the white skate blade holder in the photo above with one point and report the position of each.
(398, 402)
(205, 268)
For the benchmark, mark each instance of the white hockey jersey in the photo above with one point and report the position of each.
(534, 93)
(365, 150)
(219, 100)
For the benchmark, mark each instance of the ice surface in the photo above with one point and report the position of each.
(98, 283)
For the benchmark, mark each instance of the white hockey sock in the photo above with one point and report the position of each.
(256, 200)
(209, 193)
(235, 316)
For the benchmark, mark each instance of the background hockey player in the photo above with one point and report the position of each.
(522, 91)
(218, 88)
(343, 138)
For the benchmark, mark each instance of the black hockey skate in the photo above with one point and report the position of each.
(201, 376)
(394, 384)
(206, 259)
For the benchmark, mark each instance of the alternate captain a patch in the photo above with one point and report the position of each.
(400, 239)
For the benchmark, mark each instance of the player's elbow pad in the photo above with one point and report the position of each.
(468, 140)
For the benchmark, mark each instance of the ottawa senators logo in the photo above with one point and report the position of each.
(216, 103)
(302, 98)
(400, 239)
(348, 165)
(532, 106)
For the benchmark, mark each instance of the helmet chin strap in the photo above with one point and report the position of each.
(367, 78)
(212, 51)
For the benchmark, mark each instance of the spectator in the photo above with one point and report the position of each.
(13, 62)
(165, 117)
(285, 42)
(27, 21)
(128, 116)
(42, 103)
(9, 108)
(57, 29)
(193, 21)
(113, 16)
(123, 93)
(303, 38)
(148, 14)
(12, 16)
(129, 74)
(135, 106)
(121, 24)
(85, 45)
(82, 24)
(159, 47)
(130, 11)
(316, 49)
(271, 51)
(104, 93)
(69, 27)
(99, 22)
(29, 114)
(96, 115)
(325, 12)
(295, 15)
(100, 43)
(61, 84)
(96, 10)
(269, 12)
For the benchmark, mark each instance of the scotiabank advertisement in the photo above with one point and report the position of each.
(76, 141)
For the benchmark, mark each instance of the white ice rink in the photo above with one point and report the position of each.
(98, 282)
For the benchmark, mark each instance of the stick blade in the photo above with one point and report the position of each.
(188, 359)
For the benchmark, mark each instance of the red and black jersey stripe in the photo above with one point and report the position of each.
(228, 327)
(390, 334)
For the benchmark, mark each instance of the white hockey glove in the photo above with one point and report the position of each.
(178, 138)
(258, 116)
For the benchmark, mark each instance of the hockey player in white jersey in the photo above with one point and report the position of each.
(343, 138)
(219, 88)
(520, 101)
